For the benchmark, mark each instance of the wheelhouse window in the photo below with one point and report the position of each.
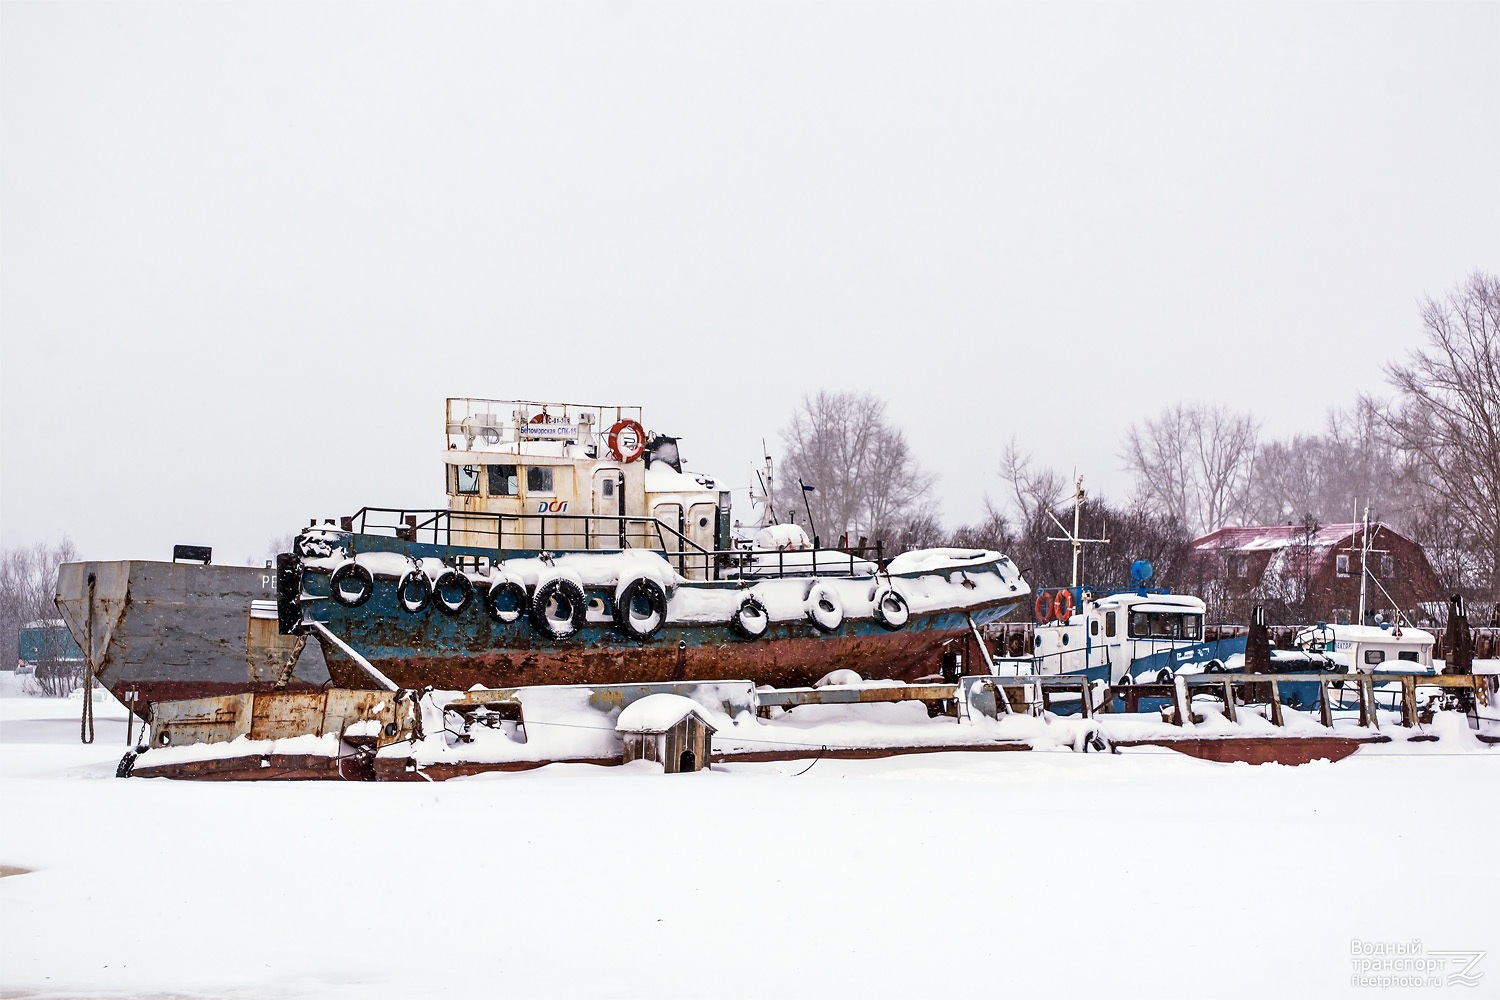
(539, 479)
(503, 480)
(1109, 624)
(1373, 656)
(1165, 625)
(465, 480)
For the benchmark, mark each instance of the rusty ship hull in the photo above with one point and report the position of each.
(789, 655)
(161, 631)
(455, 649)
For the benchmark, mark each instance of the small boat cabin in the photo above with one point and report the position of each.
(1110, 634)
(537, 475)
(1368, 648)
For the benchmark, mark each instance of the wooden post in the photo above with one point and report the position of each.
(1085, 692)
(1229, 702)
(1367, 708)
(1275, 703)
(1408, 701)
(1184, 704)
(1325, 711)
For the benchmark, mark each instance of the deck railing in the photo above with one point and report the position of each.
(565, 533)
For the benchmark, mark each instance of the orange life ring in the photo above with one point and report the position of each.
(627, 440)
(1043, 608)
(1062, 606)
(541, 418)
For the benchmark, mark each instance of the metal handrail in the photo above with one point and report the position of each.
(510, 533)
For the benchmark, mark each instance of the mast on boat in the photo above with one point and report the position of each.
(1072, 536)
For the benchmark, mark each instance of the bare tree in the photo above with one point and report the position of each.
(1446, 422)
(918, 530)
(864, 478)
(28, 584)
(1193, 464)
(993, 532)
(1134, 534)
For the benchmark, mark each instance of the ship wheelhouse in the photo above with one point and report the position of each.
(523, 475)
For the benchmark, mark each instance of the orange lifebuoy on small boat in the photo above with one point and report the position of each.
(1043, 608)
(1062, 606)
(627, 440)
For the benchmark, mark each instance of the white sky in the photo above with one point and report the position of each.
(247, 250)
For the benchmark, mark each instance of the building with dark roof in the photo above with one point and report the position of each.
(1310, 572)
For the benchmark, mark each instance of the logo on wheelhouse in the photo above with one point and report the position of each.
(551, 506)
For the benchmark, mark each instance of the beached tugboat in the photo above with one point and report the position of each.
(575, 548)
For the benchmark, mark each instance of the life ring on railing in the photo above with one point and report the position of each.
(751, 619)
(453, 591)
(558, 607)
(1043, 608)
(627, 440)
(351, 572)
(641, 609)
(414, 591)
(506, 600)
(891, 610)
(1062, 606)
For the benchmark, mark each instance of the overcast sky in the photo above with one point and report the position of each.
(247, 250)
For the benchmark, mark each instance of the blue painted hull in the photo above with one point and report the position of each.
(470, 648)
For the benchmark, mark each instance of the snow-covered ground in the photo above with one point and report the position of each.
(1048, 873)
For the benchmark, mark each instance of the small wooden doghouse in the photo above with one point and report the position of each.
(668, 729)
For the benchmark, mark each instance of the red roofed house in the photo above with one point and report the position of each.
(1309, 572)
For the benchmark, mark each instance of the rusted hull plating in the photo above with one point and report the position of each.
(156, 631)
(788, 656)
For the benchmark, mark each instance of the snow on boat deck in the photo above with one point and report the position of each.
(1038, 874)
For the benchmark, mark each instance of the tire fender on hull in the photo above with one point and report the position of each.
(641, 609)
(891, 610)
(558, 608)
(506, 600)
(824, 609)
(751, 619)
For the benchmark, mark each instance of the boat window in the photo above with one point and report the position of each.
(538, 479)
(1094, 627)
(465, 479)
(1109, 624)
(1374, 655)
(1409, 654)
(1165, 625)
(503, 482)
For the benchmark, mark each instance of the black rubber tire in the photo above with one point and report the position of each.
(1213, 667)
(570, 599)
(1164, 676)
(883, 617)
(424, 587)
(451, 578)
(817, 614)
(655, 597)
(751, 603)
(346, 572)
(516, 592)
